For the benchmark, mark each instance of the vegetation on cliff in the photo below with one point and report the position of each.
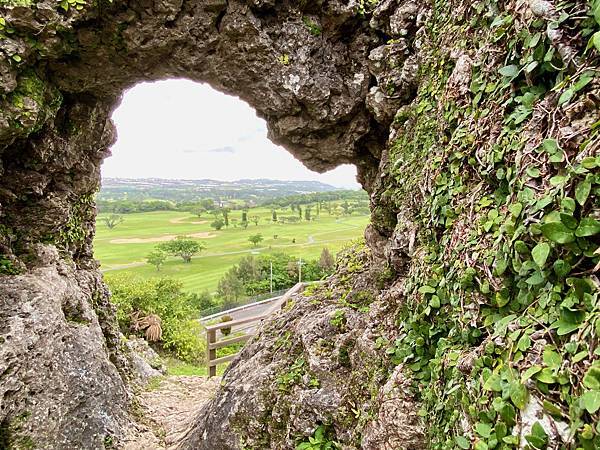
(496, 163)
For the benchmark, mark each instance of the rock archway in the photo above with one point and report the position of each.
(303, 66)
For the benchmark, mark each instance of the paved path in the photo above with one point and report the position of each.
(168, 410)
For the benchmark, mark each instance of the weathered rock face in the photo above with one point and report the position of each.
(319, 361)
(304, 69)
(59, 386)
(474, 128)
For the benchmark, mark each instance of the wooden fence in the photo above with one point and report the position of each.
(213, 342)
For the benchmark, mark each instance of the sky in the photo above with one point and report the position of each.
(179, 129)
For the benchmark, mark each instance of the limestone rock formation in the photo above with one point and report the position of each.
(318, 361)
(474, 126)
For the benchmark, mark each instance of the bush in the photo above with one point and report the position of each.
(226, 331)
(164, 298)
(185, 341)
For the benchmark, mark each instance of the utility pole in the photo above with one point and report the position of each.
(300, 270)
(271, 277)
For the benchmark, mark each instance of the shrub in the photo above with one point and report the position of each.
(226, 331)
(138, 299)
(185, 341)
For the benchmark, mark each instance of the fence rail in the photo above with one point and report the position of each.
(214, 310)
(213, 343)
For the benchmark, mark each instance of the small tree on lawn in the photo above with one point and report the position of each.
(255, 239)
(255, 219)
(156, 258)
(326, 261)
(218, 224)
(183, 247)
(113, 220)
(274, 216)
(245, 224)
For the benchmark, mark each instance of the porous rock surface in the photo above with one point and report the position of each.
(58, 385)
(304, 67)
(444, 142)
(317, 361)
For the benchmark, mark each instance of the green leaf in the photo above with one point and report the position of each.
(595, 40)
(552, 408)
(536, 278)
(426, 289)
(568, 205)
(557, 232)
(550, 145)
(493, 383)
(561, 268)
(591, 380)
(552, 359)
(566, 96)
(529, 373)
(546, 376)
(483, 429)
(509, 71)
(538, 437)
(588, 226)
(564, 327)
(568, 220)
(515, 209)
(590, 400)
(540, 253)
(462, 442)
(582, 191)
(518, 394)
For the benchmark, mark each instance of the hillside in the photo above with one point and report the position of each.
(190, 190)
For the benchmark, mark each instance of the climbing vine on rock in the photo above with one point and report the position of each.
(502, 320)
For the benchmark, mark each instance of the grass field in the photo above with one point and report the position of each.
(124, 248)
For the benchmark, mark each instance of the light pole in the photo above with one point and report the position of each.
(300, 263)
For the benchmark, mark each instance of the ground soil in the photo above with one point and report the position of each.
(167, 408)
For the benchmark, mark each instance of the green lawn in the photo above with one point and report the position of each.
(123, 249)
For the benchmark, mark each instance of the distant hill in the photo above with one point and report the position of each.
(191, 190)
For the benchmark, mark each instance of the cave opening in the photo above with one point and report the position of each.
(189, 161)
(63, 75)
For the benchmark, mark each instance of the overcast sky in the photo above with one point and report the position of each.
(182, 129)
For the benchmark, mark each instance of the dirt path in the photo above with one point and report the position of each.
(168, 410)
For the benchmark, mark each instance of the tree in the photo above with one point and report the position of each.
(199, 212)
(202, 301)
(245, 224)
(307, 211)
(274, 216)
(113, 220)
(217, 224)
(230, 287)
(255, 238)
(255, 219)
(225, 212)
(245, 215)
(326, 261)
(300, 211)
(183, 247)
(346, 207)
(156, 258)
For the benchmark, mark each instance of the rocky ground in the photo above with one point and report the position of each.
(166, 408)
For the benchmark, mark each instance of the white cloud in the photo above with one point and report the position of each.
(182, 129)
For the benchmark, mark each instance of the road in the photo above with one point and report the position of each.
(248, 311)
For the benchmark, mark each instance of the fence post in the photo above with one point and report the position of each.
(211, 354)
